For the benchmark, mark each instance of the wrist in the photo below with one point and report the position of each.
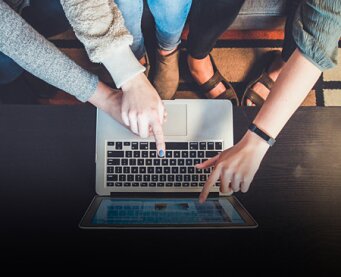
(255, 142)
(133, 82)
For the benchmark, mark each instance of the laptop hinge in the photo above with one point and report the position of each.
(161, 194)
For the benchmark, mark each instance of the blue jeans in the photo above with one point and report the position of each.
(48, 18)
(170, 18)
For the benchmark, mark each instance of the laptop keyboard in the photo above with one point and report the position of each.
(136, 164)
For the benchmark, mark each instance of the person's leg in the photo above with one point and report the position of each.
(170, 18)
(132, 11)
(289, 47)
(207, 21)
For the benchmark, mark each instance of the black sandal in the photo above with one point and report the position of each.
(263, 78)
(228, 94)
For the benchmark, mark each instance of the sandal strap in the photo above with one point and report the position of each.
(211, 83)
(266, 80)
(254, 97)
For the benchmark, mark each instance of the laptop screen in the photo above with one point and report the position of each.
(165, 211)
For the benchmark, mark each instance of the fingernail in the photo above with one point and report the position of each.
(161, 153)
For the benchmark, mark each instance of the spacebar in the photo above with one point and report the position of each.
(177, 145)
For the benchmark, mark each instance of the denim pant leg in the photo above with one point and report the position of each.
(48, 18)
(170, 18)
(132, 11)
(207, 21)
(289, 44)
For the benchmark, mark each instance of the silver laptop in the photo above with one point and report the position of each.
(138, 189)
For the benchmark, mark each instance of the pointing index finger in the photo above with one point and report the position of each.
(159, 138)
(209, 184)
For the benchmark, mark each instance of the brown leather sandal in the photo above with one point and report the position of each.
(263, 78)
(229, 93)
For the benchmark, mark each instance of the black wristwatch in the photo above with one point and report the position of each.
(253, 128)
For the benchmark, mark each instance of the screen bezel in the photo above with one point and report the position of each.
(86, 221)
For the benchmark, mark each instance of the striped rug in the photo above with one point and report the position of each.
(235, 54)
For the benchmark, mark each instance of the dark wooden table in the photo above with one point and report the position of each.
(47, 177)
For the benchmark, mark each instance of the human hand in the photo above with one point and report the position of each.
(143, 110)
(235, 166)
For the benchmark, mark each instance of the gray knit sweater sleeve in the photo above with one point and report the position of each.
(317, 30)
(37, 55)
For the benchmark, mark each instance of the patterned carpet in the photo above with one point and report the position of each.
(235, 55)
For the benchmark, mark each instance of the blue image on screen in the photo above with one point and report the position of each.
(165, 211)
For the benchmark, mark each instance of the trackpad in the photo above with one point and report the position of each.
(176, 124)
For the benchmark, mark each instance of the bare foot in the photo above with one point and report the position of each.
(273, 72)
(202, 71)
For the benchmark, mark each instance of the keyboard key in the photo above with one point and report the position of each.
(201, 184)
(210, 145)
(169, 184)
(218, 146)
(181, 162)
(175, 170)
(124, 161)
(144, 154)
(137, 154)
(157, 162)
(193, 145)
(110, 184)
(118, 169)
(166, 170)
(184, 154)
(129, 154)
(126, 143)
(126, 184)
(134, 145)
(122, 178)
(115, 154)
(126, 170)
(155, 178)
(189, 162)
(163, 178)
(203, 178)
(110, 169)
(196, 161)
(160, 184)
(177, 145)
(190, 170)
(152, 145)
(118, 145)
(172, 162)
(149, 161)
(140, 162)
(134, 169)
(211, 154)
(194, 184)
(207, 170)
(138, 178)
(118, 184)
(202, 145)
(130, 178)
(146, 178)
(170, 178)
(177, 184)
(201, 154)
(187, 178)
(135, 184)
(197, 170)
(152, 184)
(164, 162)
(143, 170)
(152, 154)
(144, 184)
(185, 184)
(176, 154)
(114, 162)
(183, 170)
(144, 145)
(158, 170)
(169, 154)
(195, 178)
(112, 178)
(178, 178)
(193, 154)
(132, 162)
(150, 170)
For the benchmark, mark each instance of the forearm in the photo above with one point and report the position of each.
(33, 52)
(292, 86)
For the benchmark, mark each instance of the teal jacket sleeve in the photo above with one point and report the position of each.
(317, 30)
